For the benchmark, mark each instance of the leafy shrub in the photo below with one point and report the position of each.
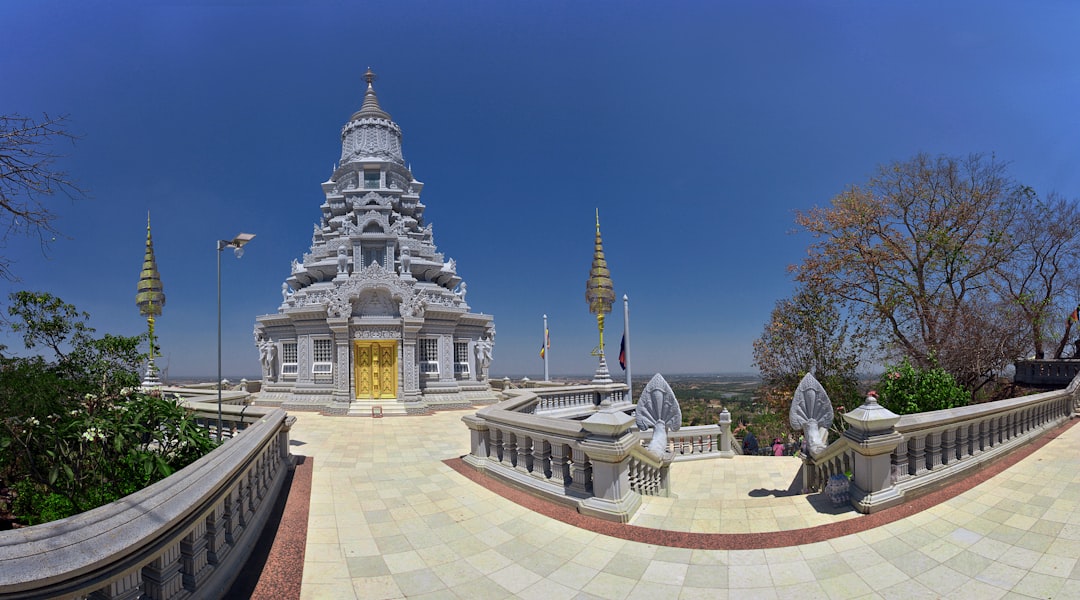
(906, 389)
(74, 433)
(96, 453)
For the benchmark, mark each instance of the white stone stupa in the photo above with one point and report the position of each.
(373, 319)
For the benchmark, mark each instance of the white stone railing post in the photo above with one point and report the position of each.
(872, 437)
(725, 435)
(608, 447)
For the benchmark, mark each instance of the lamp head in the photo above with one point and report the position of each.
(237, 243)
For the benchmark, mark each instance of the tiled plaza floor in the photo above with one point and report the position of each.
(389, 519)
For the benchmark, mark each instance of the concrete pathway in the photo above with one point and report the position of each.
(389, 519)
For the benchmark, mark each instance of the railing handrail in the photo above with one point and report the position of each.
(950, 416)
(84, 552)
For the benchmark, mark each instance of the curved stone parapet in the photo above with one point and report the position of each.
(187, 536)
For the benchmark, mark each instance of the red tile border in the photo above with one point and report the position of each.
(753, 541)
(284, 569)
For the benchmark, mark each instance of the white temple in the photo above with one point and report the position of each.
(373, 315)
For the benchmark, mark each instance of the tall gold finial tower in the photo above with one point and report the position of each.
(600, 294)
(150, 299)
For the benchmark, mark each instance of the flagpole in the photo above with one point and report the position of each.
(546, 350)
(626, 334)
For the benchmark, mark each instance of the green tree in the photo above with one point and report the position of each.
(807, 333)
(74, 432)
(78, 363)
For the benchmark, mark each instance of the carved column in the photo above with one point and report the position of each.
(872, 435)
(410, 368)
(303, 360)
(343, 391)
(446, 358)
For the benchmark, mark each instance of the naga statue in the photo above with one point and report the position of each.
(812, 413)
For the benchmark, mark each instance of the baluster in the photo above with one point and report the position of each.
(995, 431)
(162, 578)
(215, 535)
(541, 464)
(948, 446)
(233, 528)
(580, 472)
(900, 467)
(524, 451)
(933, 450)
(917, 452)
(495, 439)
(193, 557)
(510, 449)
(560, 468)
(126, 587)
(246, 500)
(963, 441)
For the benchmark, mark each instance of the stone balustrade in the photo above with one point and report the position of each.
(584, 463)
(895, 457)
(187, 536)
(696, 442)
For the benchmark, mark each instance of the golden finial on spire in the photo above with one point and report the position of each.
(599, 290)
(369, 76)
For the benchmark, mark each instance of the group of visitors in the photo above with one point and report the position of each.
(778, 447)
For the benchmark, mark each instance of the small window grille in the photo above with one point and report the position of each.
(322, 354)
(461, 359)
(429, 355)
(288, 359)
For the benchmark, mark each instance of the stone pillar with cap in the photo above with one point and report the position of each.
(872, 435)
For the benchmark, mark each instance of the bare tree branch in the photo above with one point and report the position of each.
(29, 179)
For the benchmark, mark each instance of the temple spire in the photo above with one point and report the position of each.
(599, 290)
(150, 298)
(370, 107)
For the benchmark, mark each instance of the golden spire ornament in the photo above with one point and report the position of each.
(150, 299)
(600, 294)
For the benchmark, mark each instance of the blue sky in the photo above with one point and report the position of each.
(696, 128)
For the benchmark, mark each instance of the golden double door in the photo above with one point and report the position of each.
(375, 368)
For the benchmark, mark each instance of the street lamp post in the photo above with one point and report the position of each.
(237, 244)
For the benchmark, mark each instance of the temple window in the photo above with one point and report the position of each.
(288, 359)
(371, 179)
(372, 253)
(429, 355)
(322, 354)
(461, 360)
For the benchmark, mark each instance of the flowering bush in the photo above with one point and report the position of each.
(906, 389)
(107, 448)
(74, 432)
